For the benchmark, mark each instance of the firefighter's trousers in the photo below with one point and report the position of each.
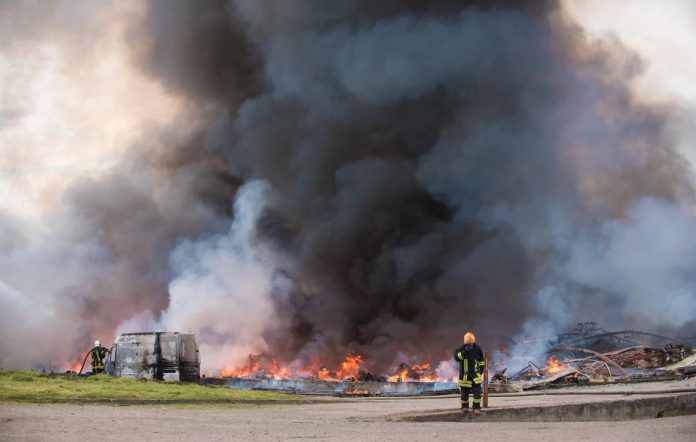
(465, 391)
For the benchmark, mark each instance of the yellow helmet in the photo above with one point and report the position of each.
(469, 338)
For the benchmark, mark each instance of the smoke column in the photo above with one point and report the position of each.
(367, 177)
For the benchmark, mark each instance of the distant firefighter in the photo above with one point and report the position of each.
(98, 357)
(471, 366)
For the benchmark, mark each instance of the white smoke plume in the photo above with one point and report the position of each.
(222, 285)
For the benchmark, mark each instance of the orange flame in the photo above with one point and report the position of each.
(400, 376)
(263, 367)
(252, 367)
(350, 367)
(554, 365)
(356, 392)
(71, 366)
(415, 373)
(272, 369)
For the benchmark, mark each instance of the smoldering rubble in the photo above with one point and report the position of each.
(367, 178)
(588, 354)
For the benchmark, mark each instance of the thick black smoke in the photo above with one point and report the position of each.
(434, 167)
(402, 172)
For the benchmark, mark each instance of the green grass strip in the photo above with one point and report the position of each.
(25, 386)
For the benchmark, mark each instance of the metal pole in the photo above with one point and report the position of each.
(485, 380)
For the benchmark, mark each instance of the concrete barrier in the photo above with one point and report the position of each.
(618, 410)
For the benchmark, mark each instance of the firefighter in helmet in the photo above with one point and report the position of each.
(98, 357)
(471, 365)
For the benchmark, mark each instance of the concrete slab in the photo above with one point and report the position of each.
(604, 408)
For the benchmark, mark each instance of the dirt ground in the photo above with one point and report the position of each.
(362, 419)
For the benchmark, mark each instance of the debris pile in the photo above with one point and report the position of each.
(350, 377)
(589, 354)
(414, 373)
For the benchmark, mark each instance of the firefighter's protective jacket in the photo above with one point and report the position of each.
(98, 357)
(471, 364)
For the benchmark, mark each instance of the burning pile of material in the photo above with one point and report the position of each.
(348, 378)
(621, 356)
(415, 373)
(262, 366)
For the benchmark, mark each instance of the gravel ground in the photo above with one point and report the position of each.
(364, 419)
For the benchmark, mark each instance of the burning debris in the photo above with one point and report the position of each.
(588, 354)
(415, 373)
(352, 368)
(348, 378)
(360, 392)
(263, 366)
(599, 356)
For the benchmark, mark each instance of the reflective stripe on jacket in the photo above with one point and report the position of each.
(98, 356)
(471, 364)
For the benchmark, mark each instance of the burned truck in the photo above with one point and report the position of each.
(165, 356)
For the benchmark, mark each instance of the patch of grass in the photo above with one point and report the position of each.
(23, 378)
(23, 386)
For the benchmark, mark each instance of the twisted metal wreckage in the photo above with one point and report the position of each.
(590, 355)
